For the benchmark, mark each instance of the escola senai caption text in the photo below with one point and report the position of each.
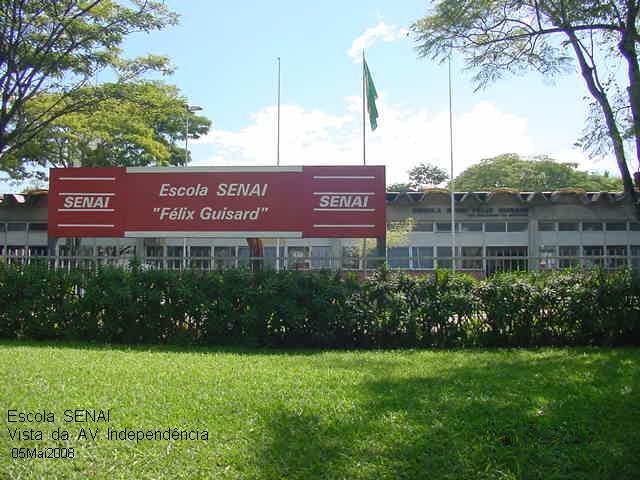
(45, 434)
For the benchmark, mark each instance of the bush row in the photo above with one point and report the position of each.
(298, 309)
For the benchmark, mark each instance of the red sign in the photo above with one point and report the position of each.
(265, 202)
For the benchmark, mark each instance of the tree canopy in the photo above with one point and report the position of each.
(137, 124)
(499, 36)
(50, 51)
(420, 177)
(426, 174)
(531, 175)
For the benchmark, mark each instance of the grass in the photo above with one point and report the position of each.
(503, 414)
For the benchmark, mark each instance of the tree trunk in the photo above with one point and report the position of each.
(627, 48)
(589, 75)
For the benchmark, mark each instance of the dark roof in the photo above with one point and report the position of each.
(523, 197)
(33, 198)
(20, 199)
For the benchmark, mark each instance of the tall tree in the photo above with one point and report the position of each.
(500, 36)
(425, 174)
(137, 124)
(531, 175)
(55, 47)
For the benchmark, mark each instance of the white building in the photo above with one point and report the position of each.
(493, 231)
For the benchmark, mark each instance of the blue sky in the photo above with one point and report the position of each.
(225, 58)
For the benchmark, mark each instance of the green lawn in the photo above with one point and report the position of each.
(549, 414)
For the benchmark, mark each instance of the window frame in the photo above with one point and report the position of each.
(488, 229)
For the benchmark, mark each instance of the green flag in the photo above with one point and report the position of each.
(372, 95)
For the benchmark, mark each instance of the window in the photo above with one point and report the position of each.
(174, 257)
(16, 227)
(423, 257)
(548, 258)
(109, 251)
(299, 258)
(633, 226)
(593, 255)
(591, 226)
(2, 227)
(154, 257)
(224, 257)
(593, 250)
(495, 227)
(321, 257)
(200, 257)
(635, 256)
(510, 262)
(546, 226)
(421, 226)
(38, 251)
(155, 251)
(399, 257)
(16, 254)
(270, 257)
(517, 227)
(350, 258)
(567, 226)
(127, 250)
(471, 263)
(470, 227)
(74, 255)
(568, 256)
(37, 227)
(443, 227)
(444, 257)
(244, 257)
(616, 256)
(106, 251)
(616, 226)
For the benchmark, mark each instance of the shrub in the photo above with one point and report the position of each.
(444, 306)
(512, 303)
(36, 302)
(301, 309)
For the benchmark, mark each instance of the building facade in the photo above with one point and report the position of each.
(500, 230)
(507, 230)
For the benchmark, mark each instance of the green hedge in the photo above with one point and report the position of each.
(298, 309)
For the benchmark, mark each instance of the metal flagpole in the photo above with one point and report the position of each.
(278, 127)
(364, 155)
(451, 184)
(278, 160)
(364, 129)
(186, 140)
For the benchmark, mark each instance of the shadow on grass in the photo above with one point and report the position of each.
(552, 414)
(564, 415)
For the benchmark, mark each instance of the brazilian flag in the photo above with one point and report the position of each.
(372, 95)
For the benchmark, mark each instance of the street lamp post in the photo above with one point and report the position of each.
(190, 109)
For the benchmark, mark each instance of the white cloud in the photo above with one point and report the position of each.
(381, 32)
(405, 137)
(306, 137)
(575, 155)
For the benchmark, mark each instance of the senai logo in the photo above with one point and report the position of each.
(343, 201)
(87, 201)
